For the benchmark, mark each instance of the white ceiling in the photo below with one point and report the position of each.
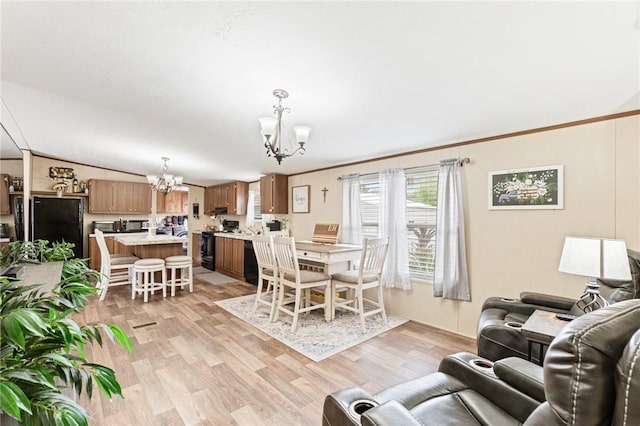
(121, 84)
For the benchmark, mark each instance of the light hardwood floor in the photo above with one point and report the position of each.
(196, 364)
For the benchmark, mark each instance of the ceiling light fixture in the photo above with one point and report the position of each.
(165, 183)
(273, 131)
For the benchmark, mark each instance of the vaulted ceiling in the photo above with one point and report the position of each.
(121, 84)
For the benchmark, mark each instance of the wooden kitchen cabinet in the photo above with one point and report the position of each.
(174, 203)
(230, 257)
(220, 196)
(196, 249)
(219, 250)
(232, 196)
(119, 197)
(141, 202)
(237, 196)
(208, 200)
(5, 205)
(101, 196)
(274, 194)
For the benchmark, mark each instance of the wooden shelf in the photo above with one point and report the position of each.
(64, 194)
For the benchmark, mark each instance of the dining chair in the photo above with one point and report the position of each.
(115, 269)
(300, 283)
(367, 276)
(267, 271)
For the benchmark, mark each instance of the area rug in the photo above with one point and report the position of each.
(315, 338)
(216, 278)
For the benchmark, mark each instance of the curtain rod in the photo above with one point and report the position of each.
(461, 162)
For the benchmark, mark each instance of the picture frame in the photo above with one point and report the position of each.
(300, 199)
(527, 188)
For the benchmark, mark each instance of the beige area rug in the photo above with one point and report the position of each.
(213, 277)
(315, 338)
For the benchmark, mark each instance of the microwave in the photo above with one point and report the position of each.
(106, 226)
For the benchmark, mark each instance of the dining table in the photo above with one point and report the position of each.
(328, 258)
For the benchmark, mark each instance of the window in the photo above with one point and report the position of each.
(422, 196)
(257, 210)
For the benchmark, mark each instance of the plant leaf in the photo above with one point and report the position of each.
(13, 400)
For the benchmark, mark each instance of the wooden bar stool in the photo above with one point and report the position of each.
(185, 265)
(143, 274)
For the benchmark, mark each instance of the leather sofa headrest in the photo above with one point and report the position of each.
(580, 366)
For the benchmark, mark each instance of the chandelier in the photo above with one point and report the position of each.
(273, 131)
(165, 183)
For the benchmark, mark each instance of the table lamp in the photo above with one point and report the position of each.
(595, 258)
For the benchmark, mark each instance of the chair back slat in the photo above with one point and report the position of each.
(374, 253)
(286, 257)
(105, 256)
(265, 256)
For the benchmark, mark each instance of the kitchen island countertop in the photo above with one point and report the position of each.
(146, 239)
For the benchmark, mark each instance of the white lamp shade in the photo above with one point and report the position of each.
(152, 179)
(595, 257)
(178, 180)
(302, 133)
(268, 125)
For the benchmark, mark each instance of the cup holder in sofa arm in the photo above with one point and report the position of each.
(359, 406)
(508, 299)
(514, 325)
(481, 363)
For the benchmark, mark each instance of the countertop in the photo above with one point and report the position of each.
(145, 239)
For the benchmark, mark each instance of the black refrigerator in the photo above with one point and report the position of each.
(58, 219)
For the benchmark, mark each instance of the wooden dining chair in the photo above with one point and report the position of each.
(115, 269)
(367, 276)
(300, 282)
(267, 271)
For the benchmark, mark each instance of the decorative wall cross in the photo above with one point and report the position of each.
(325, 190)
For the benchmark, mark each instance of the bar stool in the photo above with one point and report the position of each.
(185, 265)
(143, 274)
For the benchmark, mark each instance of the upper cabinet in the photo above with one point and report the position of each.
(237, 195)
(5, 206)
(232, 196)
(274, 194)
(175, 203)
(117, 197)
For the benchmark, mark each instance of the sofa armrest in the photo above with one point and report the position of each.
(478, 374)
(523, 375)
(339, 407)
(517, 306)
(548, 300)
(390, 413)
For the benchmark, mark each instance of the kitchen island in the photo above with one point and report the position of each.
(147, 246)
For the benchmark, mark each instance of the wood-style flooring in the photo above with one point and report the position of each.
(196, 364)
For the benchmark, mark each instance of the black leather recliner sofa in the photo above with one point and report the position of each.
(501, 319)
(591, 376)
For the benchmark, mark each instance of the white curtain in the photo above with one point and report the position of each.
(451, 279)
(351, 232)
(393, 224)
(251, 202)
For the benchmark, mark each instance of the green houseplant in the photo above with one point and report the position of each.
(42, 358)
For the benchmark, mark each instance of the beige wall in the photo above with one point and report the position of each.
(510, 251)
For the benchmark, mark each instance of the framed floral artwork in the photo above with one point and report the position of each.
(531, 188)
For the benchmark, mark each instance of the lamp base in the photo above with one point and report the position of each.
(591, 299)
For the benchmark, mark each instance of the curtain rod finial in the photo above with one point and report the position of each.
(464, 161)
